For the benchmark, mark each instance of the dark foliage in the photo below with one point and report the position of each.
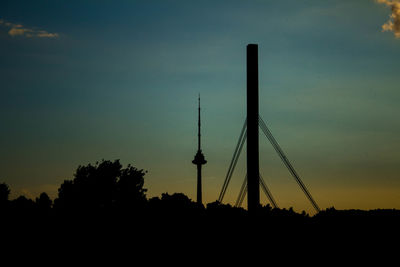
(44, 202)
(107, 203)
(23, 204)
(4, 193)
(105, 185)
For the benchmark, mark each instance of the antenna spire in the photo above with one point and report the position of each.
(199, 126)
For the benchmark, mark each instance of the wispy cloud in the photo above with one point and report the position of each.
(20, 30)
(394, 23)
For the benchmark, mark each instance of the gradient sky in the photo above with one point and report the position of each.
(85, 80)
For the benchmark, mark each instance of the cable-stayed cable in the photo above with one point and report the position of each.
(234, 160)
(231, 164)
(268, 192)
(285, 160)
(229, 176)
(242, 193)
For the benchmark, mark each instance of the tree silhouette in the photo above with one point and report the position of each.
(4, 193)
(23, 205)
(102, 186)
(130, 191)
(44, 202)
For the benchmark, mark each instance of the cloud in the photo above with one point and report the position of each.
(394, 23)
(20, 30)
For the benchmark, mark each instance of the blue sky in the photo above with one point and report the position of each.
(120, 79)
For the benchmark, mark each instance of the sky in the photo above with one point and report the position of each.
(82, 81)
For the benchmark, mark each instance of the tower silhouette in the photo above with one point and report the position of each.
(250, 133)
(199, 160)
(253, 179)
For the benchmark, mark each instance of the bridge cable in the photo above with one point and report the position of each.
(268, 192)
(242, 193)
(233, 166)
(243, 196)
(234, 160)
(285, 160)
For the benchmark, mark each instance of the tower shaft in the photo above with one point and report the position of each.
(253, 196)
(199, 186)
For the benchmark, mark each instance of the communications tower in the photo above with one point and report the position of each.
(199, 160)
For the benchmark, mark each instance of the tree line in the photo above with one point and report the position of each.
(104, 208)
(108, 186)
(110, 190)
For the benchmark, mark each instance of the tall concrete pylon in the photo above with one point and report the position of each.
(253, 174)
